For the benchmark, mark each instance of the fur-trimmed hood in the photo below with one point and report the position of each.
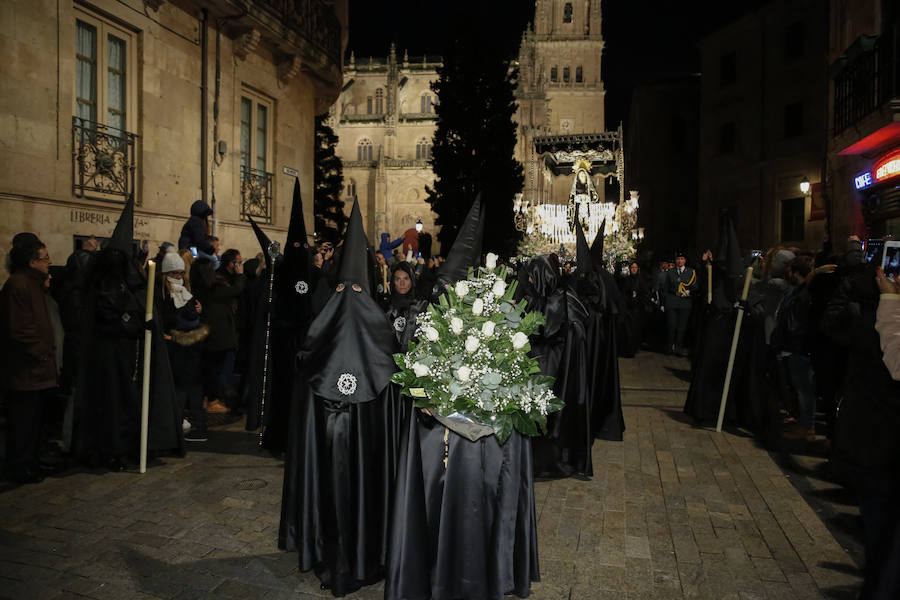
(190, 337)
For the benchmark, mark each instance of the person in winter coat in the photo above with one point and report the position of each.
(195, 232)
(184, 336)
(28, 366)
(386, 247)
(218, 298)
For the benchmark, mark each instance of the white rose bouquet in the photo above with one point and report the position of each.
(471, 362)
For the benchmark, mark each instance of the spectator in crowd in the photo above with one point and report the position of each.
(28, 366)
(195, 232)
(887, 322)
(218, 296)
(184, 335)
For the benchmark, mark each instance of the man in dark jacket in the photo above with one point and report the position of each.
(28, 368)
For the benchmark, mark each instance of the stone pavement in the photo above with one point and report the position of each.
(673, 511)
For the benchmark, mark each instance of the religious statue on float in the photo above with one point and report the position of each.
(583, 197)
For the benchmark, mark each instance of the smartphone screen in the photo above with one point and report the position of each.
(874, 250)
(891, 262)
(194, 251)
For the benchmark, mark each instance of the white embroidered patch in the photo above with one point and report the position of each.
(301, 287)
(400, 323)
(346, 384)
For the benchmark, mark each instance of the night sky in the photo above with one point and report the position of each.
(645, 39)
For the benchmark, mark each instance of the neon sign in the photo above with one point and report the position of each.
(863, 180)
(887, 167)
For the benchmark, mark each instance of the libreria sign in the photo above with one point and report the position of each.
(886, 168)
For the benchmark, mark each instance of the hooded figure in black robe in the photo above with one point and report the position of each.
(747, 398)
(108, 403)
(463, 523)
(561, 351)
(600, 293)
(344, 433)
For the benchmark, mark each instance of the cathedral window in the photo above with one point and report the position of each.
(423, 149)
(425, 104)
(554, 74)
(579, 74)
(379, 101)
(567, 13)
(351, 188)
(369, 105)
(364, 150)
(566, 74)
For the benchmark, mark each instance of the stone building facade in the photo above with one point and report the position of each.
(561, 97)
(170, 101)
(762, 126)
(385, 121)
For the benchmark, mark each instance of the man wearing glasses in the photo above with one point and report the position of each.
(28, 370)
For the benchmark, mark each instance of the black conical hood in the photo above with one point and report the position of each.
(354, 253)
(297, 228)
(728, 253)
(583, 257)
(123, 235)
(597, 246)
(264, 242)
(466, 250)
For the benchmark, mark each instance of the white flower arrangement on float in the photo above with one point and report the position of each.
(470, 367)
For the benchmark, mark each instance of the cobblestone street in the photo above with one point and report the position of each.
(674, 511)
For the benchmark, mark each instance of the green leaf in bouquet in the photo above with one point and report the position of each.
(427, 360)
(400, 361)
(514, 317)
(506, 308)
(502, 426)
(456, 389)
(524, 424)
(511, 290)
(489, 404)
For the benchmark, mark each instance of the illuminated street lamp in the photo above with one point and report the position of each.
(804, 185)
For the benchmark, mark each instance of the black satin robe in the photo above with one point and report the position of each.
(607, 420)
(342, 445)
(465, 528)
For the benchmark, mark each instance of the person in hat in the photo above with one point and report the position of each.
(184, 335)
(679, 286)
(344, 436)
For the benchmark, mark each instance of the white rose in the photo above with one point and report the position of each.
(431, 334)
(420, 370)
(478, 306)
(519, 340)
(463, 373)
(456, 325)
(488, 329)
(461, 289)
(490, 261)
(471, 344)
(499, 288)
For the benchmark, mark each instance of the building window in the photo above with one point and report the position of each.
(554, 74)
(369, 105)
(364, 150)
(728, 69)
(351, 188)
(425, 104)
(727, 138)
(567, 13)
(104, 109)
(793, 41)
(379, 101)
(792, 215)
(565, 74)
(256, 152)
(423, 149)
(793, 120)
(579, 74)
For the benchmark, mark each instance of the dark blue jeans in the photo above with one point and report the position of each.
(801, 377)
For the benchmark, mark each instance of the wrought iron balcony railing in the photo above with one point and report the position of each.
(256, 195)
(103, 160)
(866, 82)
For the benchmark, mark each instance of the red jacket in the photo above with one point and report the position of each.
(28, 360)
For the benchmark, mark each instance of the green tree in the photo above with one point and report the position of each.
(475, 139)
(329, 183)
